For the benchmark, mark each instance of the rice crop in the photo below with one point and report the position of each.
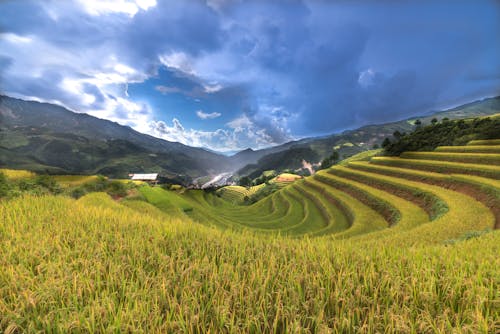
(109, 268)
(17, 174)
(389, 245)
(476, 158)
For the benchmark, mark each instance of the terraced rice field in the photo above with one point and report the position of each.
(95, 265)
(422, 197)
(366, 247)
(285, 179)
(236, 194)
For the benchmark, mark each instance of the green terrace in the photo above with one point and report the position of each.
(431, 196)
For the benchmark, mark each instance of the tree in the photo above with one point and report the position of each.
(386, 142)
(427, 138)
(418, 123)
(245, 181)
(326, 163)
(304, 172)
(397, 135)
(335, 156)
(330, 161)
(375, 146)
(446, 119)
(434, 121)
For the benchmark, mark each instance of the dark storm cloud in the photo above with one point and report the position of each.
(189, 26)
(285, 69)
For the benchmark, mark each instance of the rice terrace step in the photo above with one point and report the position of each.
(233, 167)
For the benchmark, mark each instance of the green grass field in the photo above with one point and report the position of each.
(374, 245)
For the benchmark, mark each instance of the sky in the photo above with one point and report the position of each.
(228, 75)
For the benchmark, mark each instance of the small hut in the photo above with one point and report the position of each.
(151, 178)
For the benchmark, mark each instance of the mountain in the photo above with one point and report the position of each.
(250, 156)
(348, 143)
(48, 138)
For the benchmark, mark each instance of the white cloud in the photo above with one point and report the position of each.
(125, 112)
(123, 69)
(219, 139)
(15, 39)
(145, 4)
(204, 115)
(240, 122)
(179, 61)
(214, 88)
(242, 133)
(168, 89)
(128, 7)
(265, 127)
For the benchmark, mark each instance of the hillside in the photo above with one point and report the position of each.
(385, 194)
(401, 244)
(48, 138)
(352, 142)
(456, 184)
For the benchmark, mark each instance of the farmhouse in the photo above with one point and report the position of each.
(151, 178)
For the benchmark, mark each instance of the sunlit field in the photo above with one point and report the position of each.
(363, 247)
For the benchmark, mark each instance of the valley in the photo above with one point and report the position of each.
(50, 139)
(406, 230)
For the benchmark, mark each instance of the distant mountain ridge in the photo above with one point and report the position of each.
(350, 142)
(48, 138)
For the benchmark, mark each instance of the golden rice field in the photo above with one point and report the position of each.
(99, 266)
(15, 174)
(387, 245)
(236, 194)
(74, 180)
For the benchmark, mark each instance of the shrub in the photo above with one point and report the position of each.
(245, 181)
(48, 183)
(98, 185)
(78, 192)
(5, 186)
(117, 188)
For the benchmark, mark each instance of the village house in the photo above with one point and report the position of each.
(151, 178)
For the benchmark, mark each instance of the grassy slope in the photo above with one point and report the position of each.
(100, 265)
(404, 204)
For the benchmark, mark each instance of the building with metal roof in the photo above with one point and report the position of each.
(151, 177)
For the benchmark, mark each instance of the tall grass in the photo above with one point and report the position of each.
(140, 263)
(94, 265)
